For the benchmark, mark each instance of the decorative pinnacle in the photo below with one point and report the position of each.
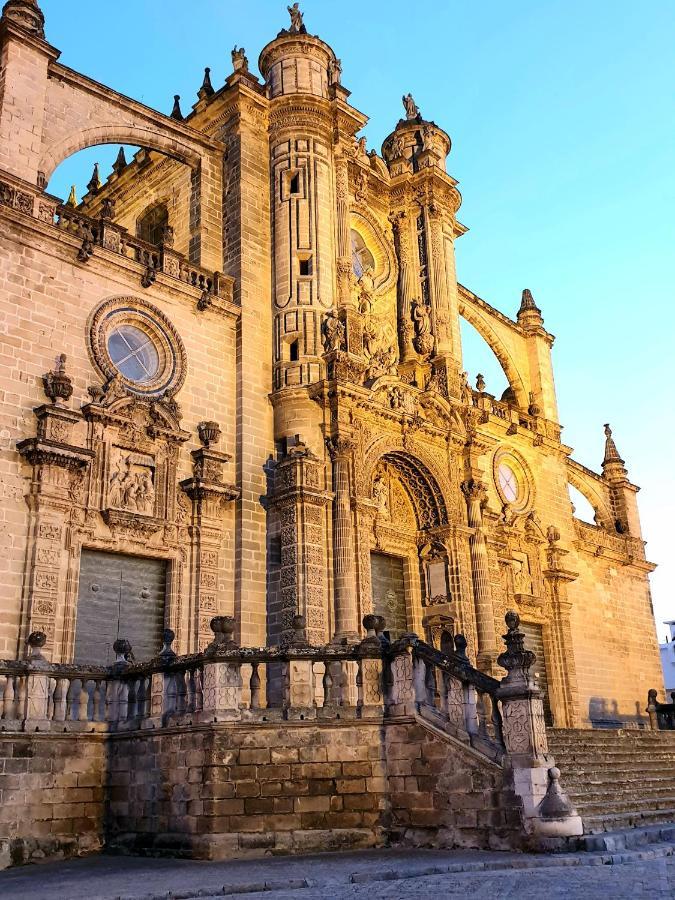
(206, 90)
(27, 14)
(95, 184)
(176, 111)
(611, 453)
(120, 163)
(72, 197)
(528, 308)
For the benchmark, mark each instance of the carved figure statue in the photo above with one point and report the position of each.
(396, 398)
(366, 283)
(145, 493)
(360, 149)
(117, 482)
(381, 494)
(239, 59)
(411, 110)
(297, 24)
(423, 340)
(521, 577)
(466, 389)
(333, 332)
(378, 164)
(397, 148)
(428, 134)
(335, 71)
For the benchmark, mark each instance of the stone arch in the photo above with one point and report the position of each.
(500, 350)
(56, 152)
(594, 494)
(386, 270)
(420, 484)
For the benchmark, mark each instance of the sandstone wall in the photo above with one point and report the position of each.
(51, 796)
(221, 791)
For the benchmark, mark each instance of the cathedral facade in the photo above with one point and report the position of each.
(232, 384)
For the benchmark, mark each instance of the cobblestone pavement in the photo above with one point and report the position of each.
(376, 875)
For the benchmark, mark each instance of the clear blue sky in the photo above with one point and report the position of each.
(563, 128)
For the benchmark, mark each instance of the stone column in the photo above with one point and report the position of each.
(300, 503)
(474, 491)
(406, 285)
(344, 256)
(563, 671)
(340, 448)
(209, 494)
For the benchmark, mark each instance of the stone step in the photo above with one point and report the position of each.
(599, 808)
(612, 823)
(581, 776)
(628, 838)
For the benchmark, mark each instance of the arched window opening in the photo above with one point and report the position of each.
(581, 506)
(151, 225)
(362, 258)
(479, 359)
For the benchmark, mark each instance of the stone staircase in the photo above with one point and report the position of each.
(617, 779)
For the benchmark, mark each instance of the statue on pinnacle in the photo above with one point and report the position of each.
(297, 24)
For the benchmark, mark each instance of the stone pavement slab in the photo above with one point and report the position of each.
(375, 875)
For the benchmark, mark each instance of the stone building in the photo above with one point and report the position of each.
(232, 384)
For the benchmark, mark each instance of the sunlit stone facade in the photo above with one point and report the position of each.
(263, 411)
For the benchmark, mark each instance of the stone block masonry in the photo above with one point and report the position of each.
(51, 796)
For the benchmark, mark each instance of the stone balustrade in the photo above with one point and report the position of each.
(231, 683)
(104, 233)
(661, 715)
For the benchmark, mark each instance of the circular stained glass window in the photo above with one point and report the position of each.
(132, 340)
(508, 482)
(133, 353)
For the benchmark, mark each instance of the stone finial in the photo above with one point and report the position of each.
(411, 109)
(533, 409)
(27, 14)
(373, 625)
(57, 385)
(299, 627)
(35, 642)
(480, 383)
(95, 184)
(123, 653)
(176, 111)
(460, 646)
(239, 59)
(209, 433)
(556, 804)
(167, 652)
(552, 535)
(120, 163)
(72, 197)
(223, 634)
(297, 23)
(206, 90)
(516, 659)
(611, 453)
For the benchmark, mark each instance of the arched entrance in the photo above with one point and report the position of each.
(408, 565)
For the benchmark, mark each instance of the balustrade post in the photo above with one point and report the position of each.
(37, 689)
(222, 686)
(527, 764)
(401, 700)
(298, 681)
(370, 679)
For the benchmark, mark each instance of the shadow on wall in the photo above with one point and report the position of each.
(604, 713)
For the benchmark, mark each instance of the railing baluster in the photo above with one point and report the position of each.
(255, 686)
(8, 698)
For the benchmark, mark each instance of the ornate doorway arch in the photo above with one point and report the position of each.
(406, 508)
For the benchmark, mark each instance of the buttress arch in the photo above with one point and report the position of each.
(500, 350)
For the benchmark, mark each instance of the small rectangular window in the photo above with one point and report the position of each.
(294, 186)
(295, 352)
(305, 265)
